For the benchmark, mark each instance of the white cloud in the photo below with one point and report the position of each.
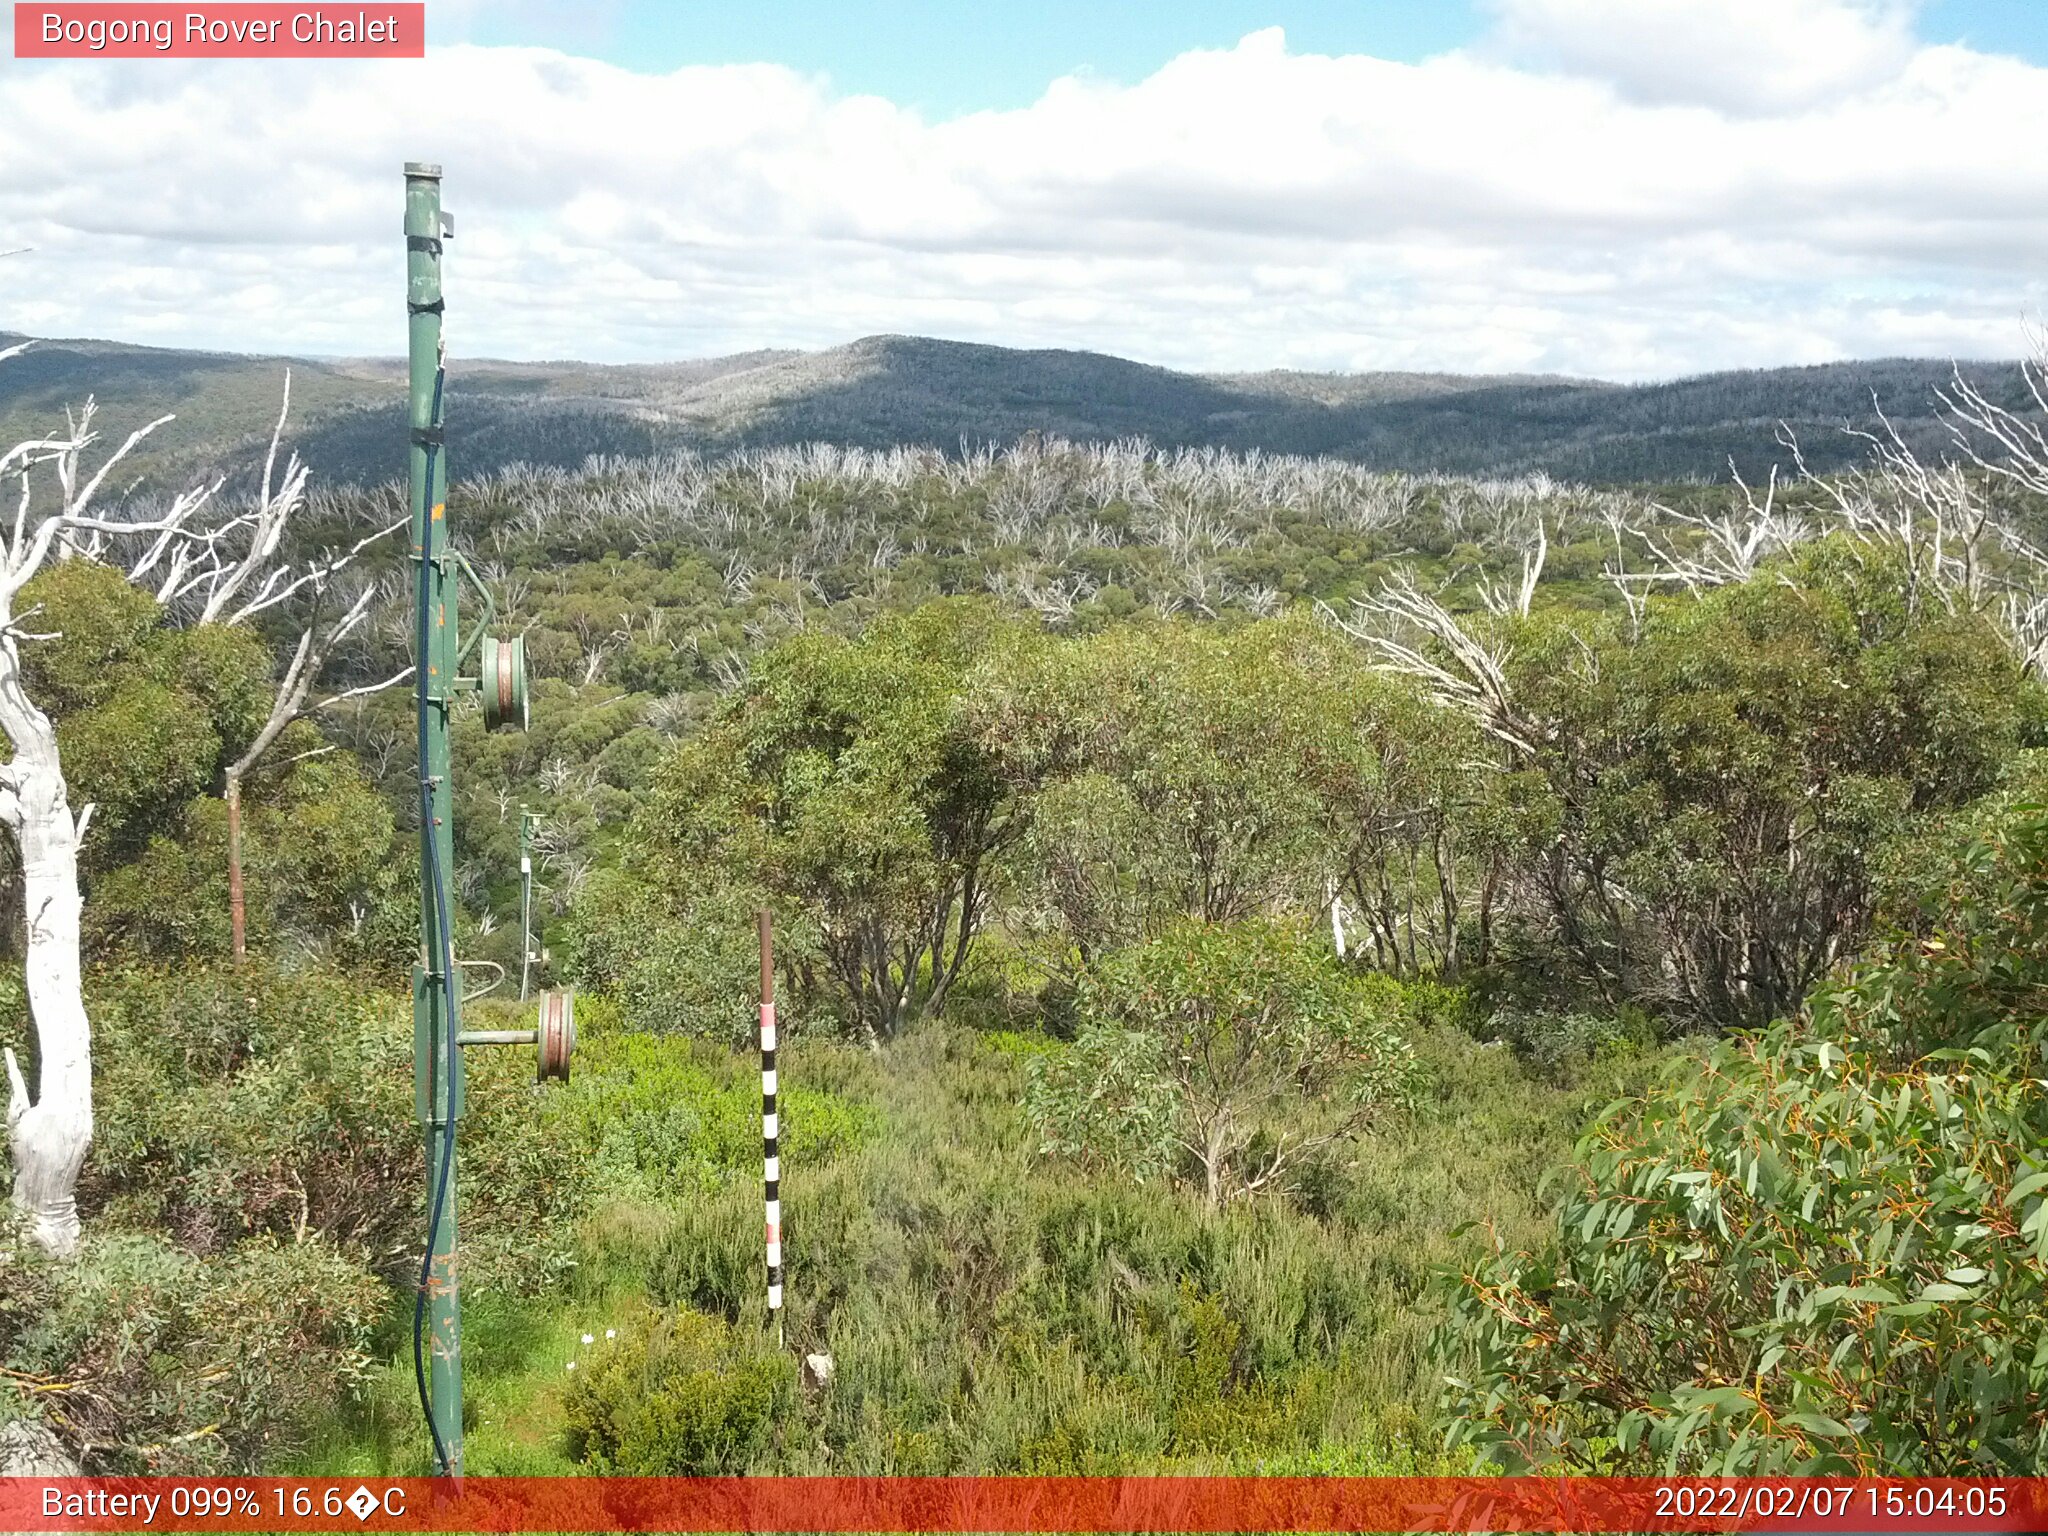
(1761, 56)
(1535, 203)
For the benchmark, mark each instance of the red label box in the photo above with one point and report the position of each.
(367, 29)
(1801, 1506)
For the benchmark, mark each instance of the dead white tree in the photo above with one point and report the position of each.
(1939, 523)
(234, 558)
(48, 1133)
(183, 554)
(2021, 457)
(1726, 547)
(1498, 600)
(1410, 632)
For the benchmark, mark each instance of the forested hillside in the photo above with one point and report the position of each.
(892, 391)
(1288, 966)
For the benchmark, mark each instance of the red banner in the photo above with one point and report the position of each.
(217, 31)
(876, 1504)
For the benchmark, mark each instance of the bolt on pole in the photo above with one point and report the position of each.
(437, 1063)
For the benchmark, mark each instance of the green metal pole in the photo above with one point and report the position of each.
(526, 821)
(437, 1068)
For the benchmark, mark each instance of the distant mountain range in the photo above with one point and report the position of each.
(347, 414)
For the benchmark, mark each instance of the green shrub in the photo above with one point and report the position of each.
(1107, 1100)
(1215, 1407)
(1431, 1003)
(678, 1394)
(684, 967)
(1238, 1048)
(1825, 1251)
(675, 1117)
(1715, 786)
(1563, 1043)
(154, 1360)
(524, 1175)
(236, 1100)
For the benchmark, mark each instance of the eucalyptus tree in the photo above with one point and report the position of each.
(193, 549)
(1824, 1253)
(1235, 1051)
(1178, 771)
(842, 782)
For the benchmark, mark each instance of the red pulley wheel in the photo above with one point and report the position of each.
(557, 1033)
(503, 682)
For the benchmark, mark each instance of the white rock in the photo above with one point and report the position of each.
(29, 1449)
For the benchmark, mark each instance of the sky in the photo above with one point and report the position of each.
(1626, 189)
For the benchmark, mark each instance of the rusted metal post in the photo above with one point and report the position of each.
(771, 1160)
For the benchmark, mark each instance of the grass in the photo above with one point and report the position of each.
(990, 1311)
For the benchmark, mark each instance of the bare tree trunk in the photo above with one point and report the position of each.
(288, 704)
(47, 1137)
(1213, 1152)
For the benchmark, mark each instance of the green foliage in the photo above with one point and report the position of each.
(147, 719)
(1240, 1046)
(678, 1395)
(841, 783)
(169, 1364)
(1177, 771)
(1108, 1099)
(1825, 1252)
(682, 964)
(579, 767)
(1564, 1043)
(98, 620)
(323, 868)
(1710, 798)
(137, 728)
(235, 1101)
(666, 1117)
(991, 1311)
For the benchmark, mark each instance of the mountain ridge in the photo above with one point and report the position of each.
(888, 389)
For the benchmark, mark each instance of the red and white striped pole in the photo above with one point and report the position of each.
(771, 1161)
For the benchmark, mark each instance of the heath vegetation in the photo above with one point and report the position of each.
(1286, 967)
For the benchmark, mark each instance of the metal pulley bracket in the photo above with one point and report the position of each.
(459, 563)
(501, 664)
(554, 1035)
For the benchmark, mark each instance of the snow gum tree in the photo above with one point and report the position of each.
(194, 554)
